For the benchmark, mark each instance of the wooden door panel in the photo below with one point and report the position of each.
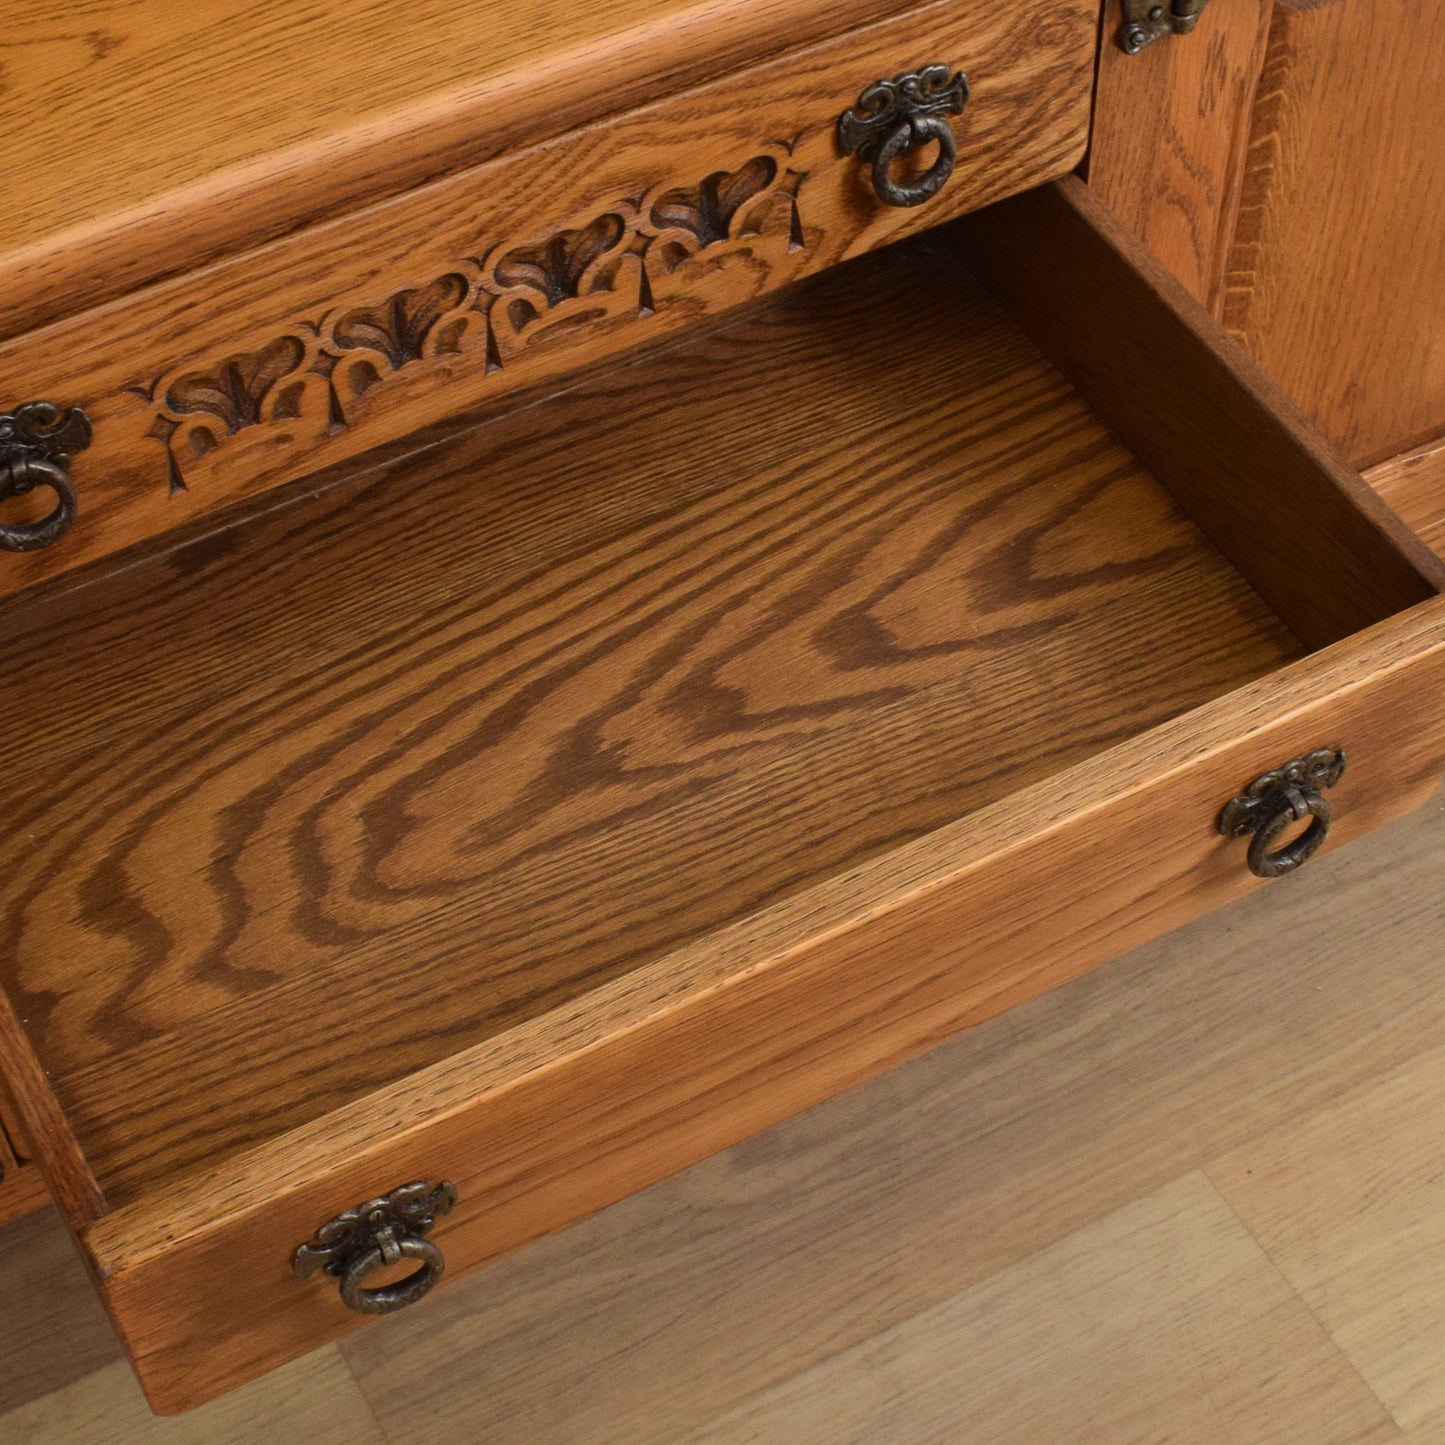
(1171, 127)
(1337, 278)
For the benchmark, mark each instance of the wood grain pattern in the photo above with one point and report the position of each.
(22, 1191)
(448, 765)
(55, 1331)
(144, 139)
(1335, 282)
(1171, 126)
(21, 1187)
(344, 336)
(1255, 475)
(1333, 1197)
(315, 1399)
(32, 1102)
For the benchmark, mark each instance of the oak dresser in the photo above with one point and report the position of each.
(579, 579)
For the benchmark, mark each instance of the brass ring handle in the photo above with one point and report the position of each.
(36, 443)
(21, 477)
(909, 135)
(893, 117)
(392, 1296)
(383, 1231)
(1278, 800)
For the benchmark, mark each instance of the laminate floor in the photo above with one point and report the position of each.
(1196, 1196)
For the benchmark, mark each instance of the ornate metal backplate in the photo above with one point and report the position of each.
(1278, 799)
(37, 441)
(1145, 21)
(895, 116)
(381, 1232)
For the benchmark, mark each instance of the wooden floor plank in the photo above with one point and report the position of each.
(670, 1308)
(1162, 1321)
(1349, 1203)
(53, 1330)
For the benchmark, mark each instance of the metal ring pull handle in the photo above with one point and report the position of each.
(36, 443)
(1278, 801)
(894, 117)
(909, 135)
(19, 477)
(372, 1236)
(391, 1250)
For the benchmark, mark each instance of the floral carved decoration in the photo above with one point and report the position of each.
(496, 307)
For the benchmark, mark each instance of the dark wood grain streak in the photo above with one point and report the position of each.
(1212, 427)
(428, 754)
(1414, 485)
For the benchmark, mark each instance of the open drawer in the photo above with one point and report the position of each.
(563, 801)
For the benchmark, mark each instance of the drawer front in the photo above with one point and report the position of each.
(575, 1110)
(354, 334)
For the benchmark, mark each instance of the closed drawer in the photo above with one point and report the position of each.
(554, 806)
(21, 1187)
(356, 331)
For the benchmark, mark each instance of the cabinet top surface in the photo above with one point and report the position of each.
(143, 137)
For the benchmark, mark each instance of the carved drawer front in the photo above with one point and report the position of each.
(446, 851)
(356, 332)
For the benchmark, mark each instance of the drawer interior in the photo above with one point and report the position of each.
(310, 803)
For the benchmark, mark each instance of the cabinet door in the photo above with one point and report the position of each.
(1284, 161)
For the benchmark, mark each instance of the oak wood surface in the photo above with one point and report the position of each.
(1171, 125)
(1335, 280)
(1161, 1321)
(335, 339)
(441, 765)
(1307, 532)
(1345, 1202)
(33, 1104)
(55, 1331)
(144, 137)
(316, 1400)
